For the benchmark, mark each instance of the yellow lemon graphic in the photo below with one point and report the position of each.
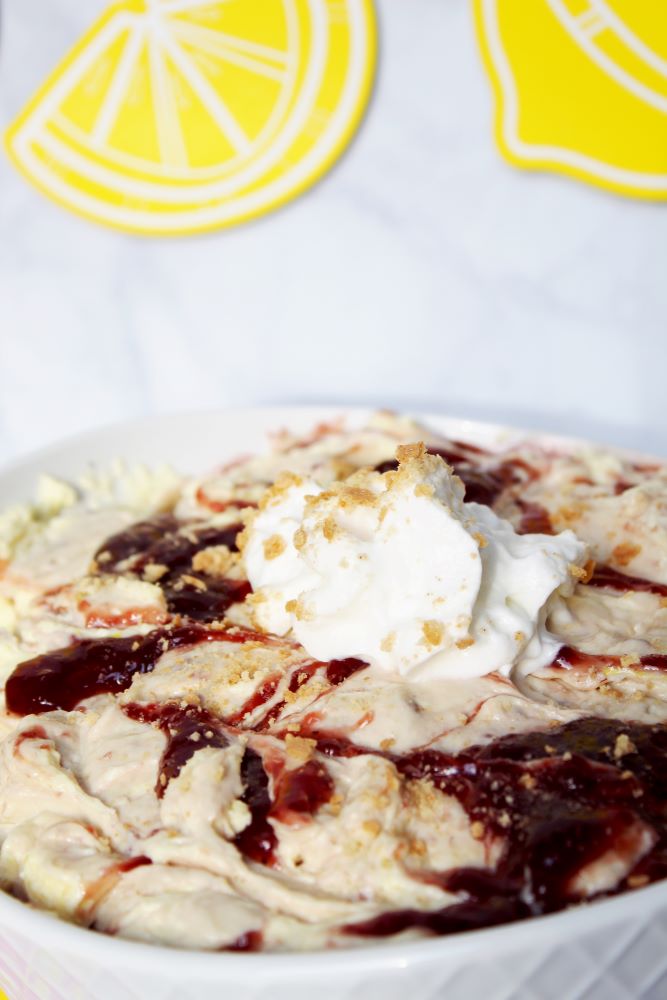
(581, 87)
(177, 116)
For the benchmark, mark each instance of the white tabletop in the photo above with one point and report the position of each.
(422, 273)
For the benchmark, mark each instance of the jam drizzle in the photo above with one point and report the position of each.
(559, 800)
(335, 671)
(165, 542)
(258, 841)
(252, 941)
(606, 576)
(338, 671)
(535, 519)
(102, 886)
(205, 604)
(569, 658)
(64, 677)
(297, 794)
(161, 541)
(188, 729)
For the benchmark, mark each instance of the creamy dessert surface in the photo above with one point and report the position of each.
(373, 683)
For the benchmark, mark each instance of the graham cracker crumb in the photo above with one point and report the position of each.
(300, 538)
(215, 561)
(404, 452)
(244, 535)
(372, 826)
(527, 780)
(387, 643)
(422, 795)
(154, 572)
(464, 643)
(418, 847)
(274, 546)
(629, 660)
(335, 804)
(432, 633)
(625, 553)
(578, 572)
(194, 581)
(623, 746)
(568, 514)
(298, 609)
(589, 569)
(355, 496)
(329, 528)
(283, 484)
(299, 749)
(424, 490)
(477, 830)
(480, 539)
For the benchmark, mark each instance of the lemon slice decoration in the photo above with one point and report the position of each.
(581, 88)
(177, 116)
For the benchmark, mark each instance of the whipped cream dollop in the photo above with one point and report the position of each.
(398, 570)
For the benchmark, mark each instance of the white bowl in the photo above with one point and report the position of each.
(603, 951)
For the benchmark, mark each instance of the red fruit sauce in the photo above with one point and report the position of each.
(164, 541)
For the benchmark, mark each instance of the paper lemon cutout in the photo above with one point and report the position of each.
(176, 116)
(581, 87)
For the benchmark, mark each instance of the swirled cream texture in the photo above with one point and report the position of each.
(395, 568)
(365, 745)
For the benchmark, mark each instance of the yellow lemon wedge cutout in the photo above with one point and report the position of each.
(177, 116)
(581, 88)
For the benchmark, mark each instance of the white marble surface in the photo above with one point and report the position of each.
(421, 273)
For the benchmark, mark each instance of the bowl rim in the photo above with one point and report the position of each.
(533, 933)
(51, 930)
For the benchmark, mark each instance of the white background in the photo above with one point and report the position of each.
(422, 273)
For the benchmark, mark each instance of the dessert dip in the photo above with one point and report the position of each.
(374, 683)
